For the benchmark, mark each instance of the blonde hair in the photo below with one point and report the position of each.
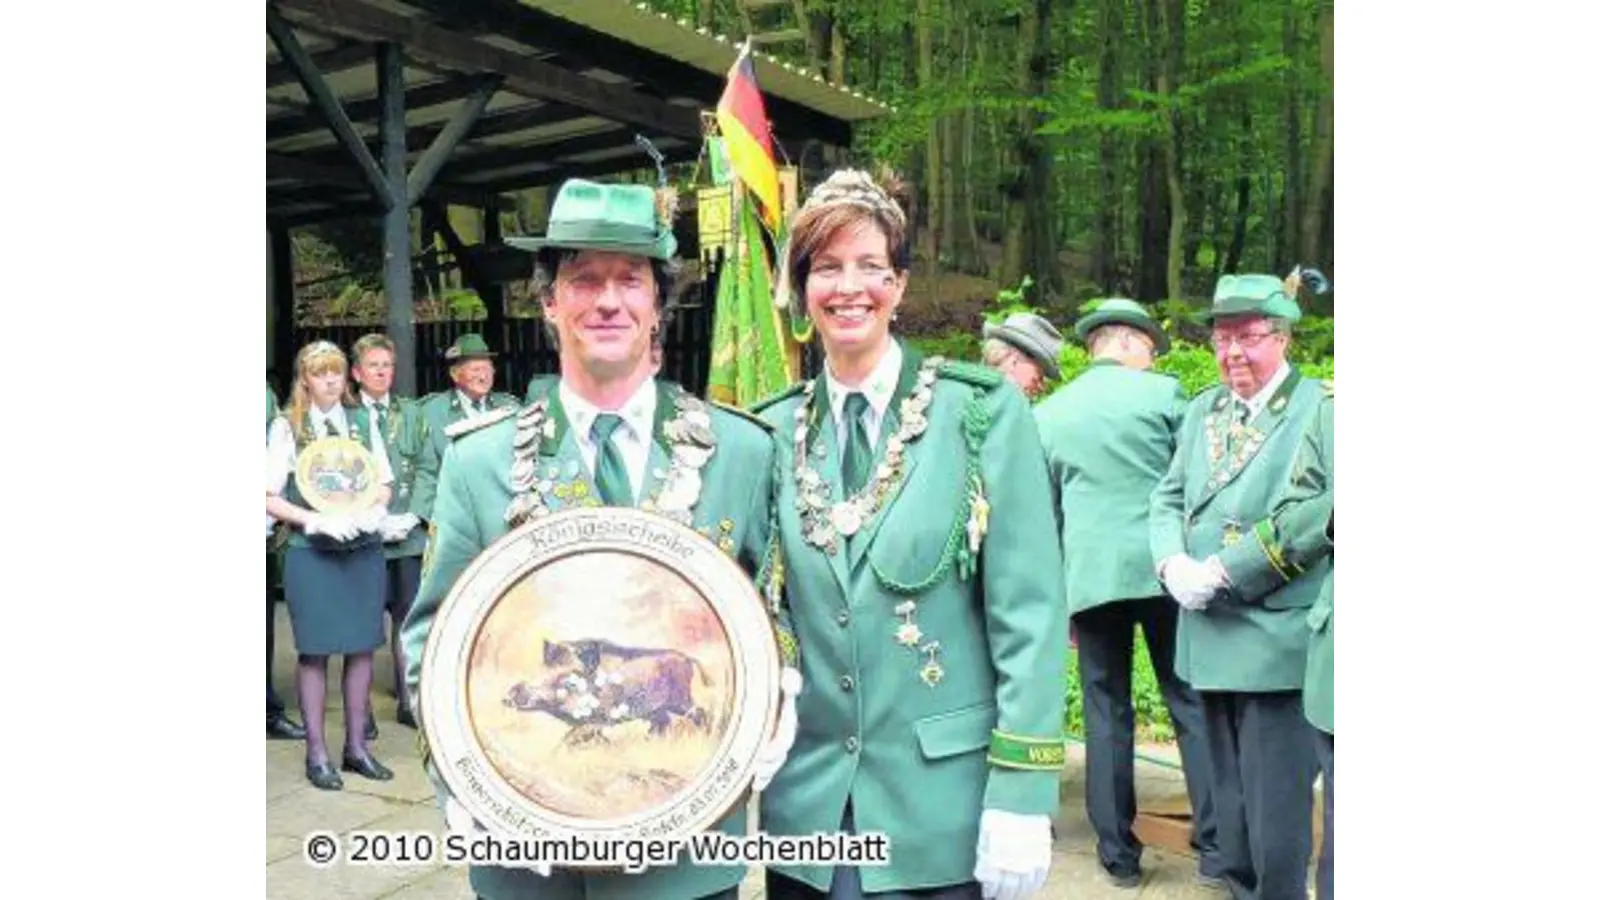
(315, 358)
(1114, 332)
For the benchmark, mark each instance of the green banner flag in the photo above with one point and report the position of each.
(748, 358)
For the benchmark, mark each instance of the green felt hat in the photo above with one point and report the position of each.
(1120, 311)
(468, 346)
(1252, 295)
(619, 218)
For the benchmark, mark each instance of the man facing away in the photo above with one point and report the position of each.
(1108, 437)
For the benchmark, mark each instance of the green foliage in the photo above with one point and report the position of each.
(1151, 721)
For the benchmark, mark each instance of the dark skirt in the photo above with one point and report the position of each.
(335, 599)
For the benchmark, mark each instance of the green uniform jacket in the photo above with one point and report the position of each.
(1108, 437)
(404, 443)
(911, 755)
(475, 489)
(1302, 527)
(1252, 636)
(440, 410)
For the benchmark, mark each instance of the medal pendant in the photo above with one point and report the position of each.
(845, 519)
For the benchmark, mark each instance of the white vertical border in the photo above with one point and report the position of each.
(1466, 197)
(134, 211)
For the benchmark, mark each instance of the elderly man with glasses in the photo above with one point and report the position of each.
(1242, 633)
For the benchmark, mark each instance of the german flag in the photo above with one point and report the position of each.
(742, 119)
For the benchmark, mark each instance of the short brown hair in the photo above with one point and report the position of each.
(848, 199)
(373, 341)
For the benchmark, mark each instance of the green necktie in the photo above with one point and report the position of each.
(610, 473)
(1241, 413)
(328, 430)
(383, 417)
(857, 447)
(478, 405)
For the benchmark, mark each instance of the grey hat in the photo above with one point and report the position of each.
(1033, 335)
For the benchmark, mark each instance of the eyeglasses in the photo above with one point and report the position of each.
(1249, 340)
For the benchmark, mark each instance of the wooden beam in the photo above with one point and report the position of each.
(468, 167)
(317, 89)
(321, 172)
(584, 47)
(446, 141)
(334, 59)
(422, 96)
(401, 316)
(671, 151)
(523, 75)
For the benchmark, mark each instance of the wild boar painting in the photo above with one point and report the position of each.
(600, 685)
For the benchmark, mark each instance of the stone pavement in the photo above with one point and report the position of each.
(295, 808)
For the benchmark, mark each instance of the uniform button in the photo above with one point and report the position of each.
(851, 745)
(846, 683)
(843, 618)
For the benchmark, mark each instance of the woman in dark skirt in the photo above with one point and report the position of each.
(333, 568)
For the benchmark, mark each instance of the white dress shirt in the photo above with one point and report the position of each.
(879, 389)
(467, 407)
(632, 437)
(281, 451)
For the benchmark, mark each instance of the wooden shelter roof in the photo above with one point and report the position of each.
(501, 95)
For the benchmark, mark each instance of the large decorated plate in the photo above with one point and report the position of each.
(600, 673)
(337, 475)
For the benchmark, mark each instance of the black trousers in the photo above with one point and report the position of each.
(847, 882)
(1325, 859)
(274, 704)
(405, 576)
(1264, 767)
(1105, 669)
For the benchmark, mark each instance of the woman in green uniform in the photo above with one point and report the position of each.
(922, 576)
(333, 568)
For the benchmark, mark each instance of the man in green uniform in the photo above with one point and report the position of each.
(1242, 632)
(398, 429)
(607, 431)
(1302, 525)
(279, 725)
(1108, 437)
(471, 397)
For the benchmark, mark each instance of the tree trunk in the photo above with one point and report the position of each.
(1241, 223)
(1154, 200)
(1294, 166)
(705, 10)
(1044, 256)
(1104, 260)
(933, 173)
(959, 240)
(1319, 192)
(836, 52)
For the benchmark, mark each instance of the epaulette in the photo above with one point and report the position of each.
(971, 373)
(779, 397)
(467, 426)
(745, 414)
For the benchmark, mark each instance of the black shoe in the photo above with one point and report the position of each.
(282, 728)
(404, 717)
(1123, 878)
(367, 767)
(372, 729)
(323, 776)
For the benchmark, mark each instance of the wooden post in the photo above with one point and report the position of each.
(281, 259)
(401, 318)
(494, 294)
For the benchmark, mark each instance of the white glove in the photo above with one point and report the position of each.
(1013, 854)
(459, 821)
(395, 528)
(1187, 581)
(370, 520)
(776, 750)
(340, 528)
